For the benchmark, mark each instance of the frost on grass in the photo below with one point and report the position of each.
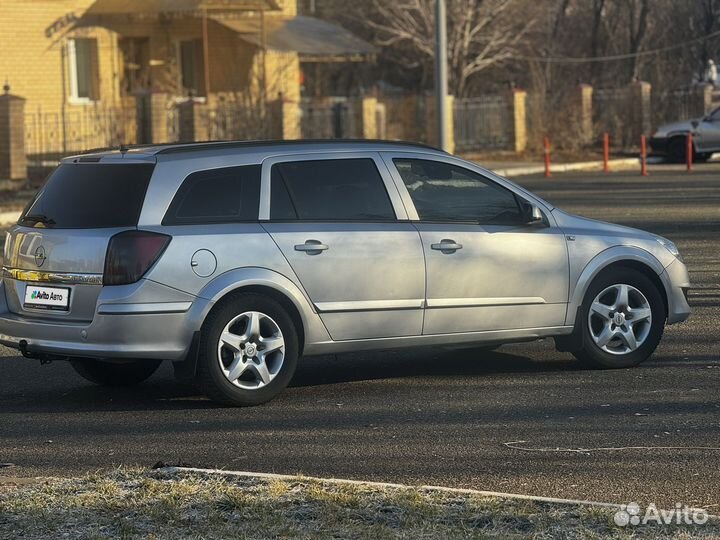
(133, 503)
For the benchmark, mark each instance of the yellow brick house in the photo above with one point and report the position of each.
(104, 72)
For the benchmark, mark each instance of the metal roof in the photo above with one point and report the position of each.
(307, 36)
(142, 8)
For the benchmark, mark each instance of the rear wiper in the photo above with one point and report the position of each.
(39, 218)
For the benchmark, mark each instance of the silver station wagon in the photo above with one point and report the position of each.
(235, 259)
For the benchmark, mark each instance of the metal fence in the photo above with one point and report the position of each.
(330, 118)
(482, 123)
(52, 135)
(613, 113)
(676, 105)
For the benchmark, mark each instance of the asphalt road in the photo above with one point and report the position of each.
(434, 416)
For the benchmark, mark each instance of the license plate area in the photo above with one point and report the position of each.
(48, 298)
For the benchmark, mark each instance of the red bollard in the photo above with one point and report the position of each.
(546, 144)
(689, 152)
(643, 156)
(606, 153)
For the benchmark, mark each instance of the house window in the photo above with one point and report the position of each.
(192, 67)
(84, 72)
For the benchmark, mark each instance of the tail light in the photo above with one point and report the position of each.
(130, 255)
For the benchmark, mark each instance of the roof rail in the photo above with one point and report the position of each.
(176, 148)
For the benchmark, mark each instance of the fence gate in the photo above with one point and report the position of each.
(482, 123)
(330, 118)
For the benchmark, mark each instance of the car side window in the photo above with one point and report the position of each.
(329, 190)
(444, 192)
(226, 195)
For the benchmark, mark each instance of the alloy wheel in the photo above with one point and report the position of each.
(251, 350)
(620, 319)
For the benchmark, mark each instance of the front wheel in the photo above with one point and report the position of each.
(104, 373)
(622, 318)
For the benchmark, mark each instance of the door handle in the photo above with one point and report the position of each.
(446, 246)
(312, 247)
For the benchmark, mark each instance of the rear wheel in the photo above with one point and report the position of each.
(622, 318)
(248, 351)
(115, 373)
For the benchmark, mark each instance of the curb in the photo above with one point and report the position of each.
(464, 491)
(614, 164)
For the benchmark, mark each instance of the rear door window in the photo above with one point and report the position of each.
(226, 195)
(329, 190)
(90, 196)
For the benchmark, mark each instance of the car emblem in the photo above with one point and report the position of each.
(40, 256)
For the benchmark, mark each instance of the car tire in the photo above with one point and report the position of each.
(605, 312)
(677, 149)
(105, 373)
(248, 351)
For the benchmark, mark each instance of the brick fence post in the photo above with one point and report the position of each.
(518, 120)
(585, 112)
(13, 160)
(159, 117)
(285, 117)
(381, 120)
(431, 122)
(369, 118)
(641, 109)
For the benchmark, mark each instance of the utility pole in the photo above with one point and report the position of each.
(441, 73)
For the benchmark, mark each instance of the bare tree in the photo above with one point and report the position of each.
(481, 34)
(637, 17)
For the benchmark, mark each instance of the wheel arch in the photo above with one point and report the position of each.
(268, 283)
(618, 257)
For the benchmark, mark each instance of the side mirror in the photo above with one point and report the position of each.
(532, 214)
(695, 123)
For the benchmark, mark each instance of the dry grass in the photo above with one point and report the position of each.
(133, 503)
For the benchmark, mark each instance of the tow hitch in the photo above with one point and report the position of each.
(44, 358)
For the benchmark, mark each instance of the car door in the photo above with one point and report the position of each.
(707, 134)
(487, 269)
(340, 222)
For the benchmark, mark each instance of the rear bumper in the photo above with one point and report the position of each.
(151, 330)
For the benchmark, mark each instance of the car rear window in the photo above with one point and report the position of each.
(90, 196)
(227, 195)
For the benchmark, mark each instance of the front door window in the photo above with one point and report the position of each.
(443, 192)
